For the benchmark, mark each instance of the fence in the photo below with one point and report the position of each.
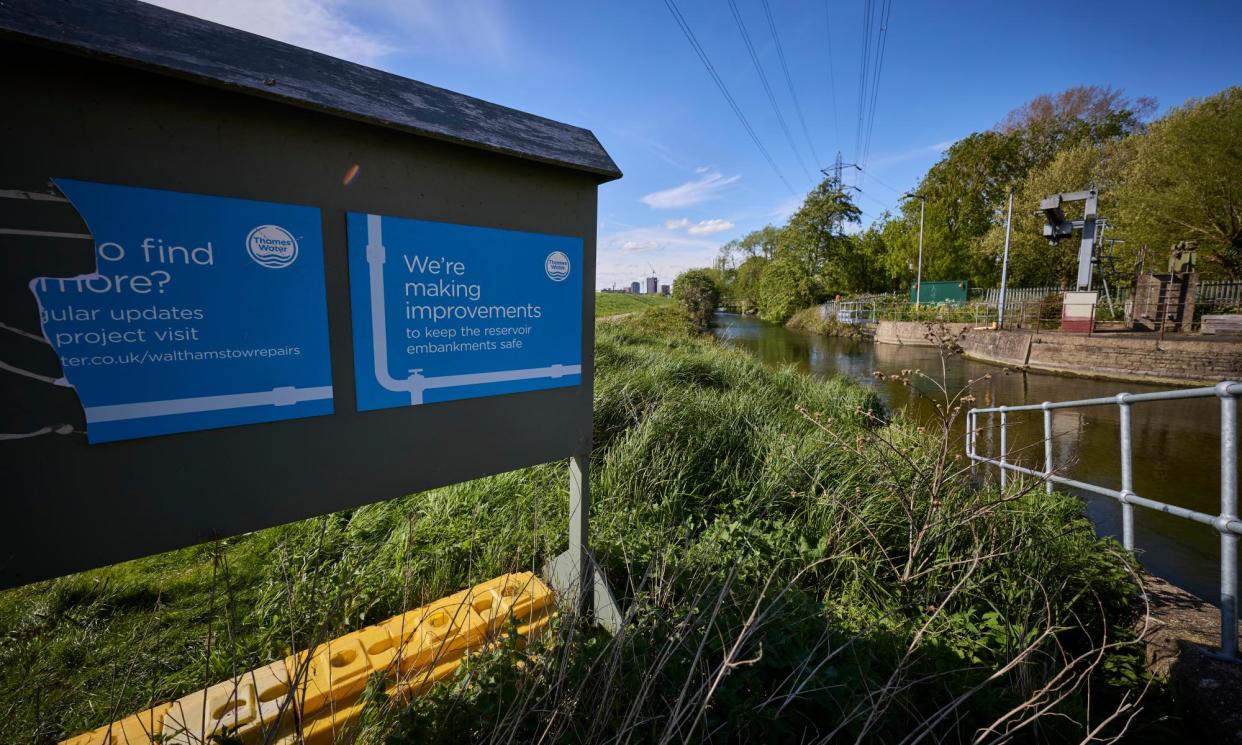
(1219, 292)
(860, 309)
(1209, 292)
(1226, 523)
(1027, 314)
(991, 296)
(1035, 308)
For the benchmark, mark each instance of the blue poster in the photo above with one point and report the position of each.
(203, 312)
(445, 312)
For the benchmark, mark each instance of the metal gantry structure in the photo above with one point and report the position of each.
(1058, 227)
(1227, 523)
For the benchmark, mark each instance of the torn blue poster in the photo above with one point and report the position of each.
(203, 312)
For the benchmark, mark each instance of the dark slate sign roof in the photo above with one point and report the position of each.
(151, 38)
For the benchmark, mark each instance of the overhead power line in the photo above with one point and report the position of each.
(886, 207)
(870, 174)
(767, 88)
(832, 75)
(881, 44)
(724, 91)
(780, 53)
(863, 67)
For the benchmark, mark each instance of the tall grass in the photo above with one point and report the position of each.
(811, 319)
(794, 563)
(617, 303)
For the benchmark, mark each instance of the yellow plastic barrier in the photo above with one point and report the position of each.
(248, 707)
(139, 729)
(436, 632)
(338, 670)
(520, 595)
(414, 650)
(340, 724)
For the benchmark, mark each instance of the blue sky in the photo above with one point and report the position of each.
(693, 177)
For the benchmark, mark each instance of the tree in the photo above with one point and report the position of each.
(1032, 260)
(872, 253)
(966, 190)
(816, 237)
(764, 242)
(1049, 124)
(745, 289)
(945, 255)
(1185, 183)
(698, 294)
(969, 181)
(784, 289)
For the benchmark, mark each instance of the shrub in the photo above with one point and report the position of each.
(697, 292)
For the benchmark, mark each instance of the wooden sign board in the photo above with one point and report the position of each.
(246, 284)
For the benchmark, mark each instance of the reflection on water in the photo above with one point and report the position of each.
(1176, 443)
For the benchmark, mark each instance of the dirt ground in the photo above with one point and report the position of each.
(1183, 635)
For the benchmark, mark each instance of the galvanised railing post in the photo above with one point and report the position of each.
(1227, 522)
(1127, 475)
(1047, 447)
(1003, 446)
(1228, 513)
(970, 439)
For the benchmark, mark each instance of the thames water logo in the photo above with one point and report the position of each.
(557, 266)
(272, 246)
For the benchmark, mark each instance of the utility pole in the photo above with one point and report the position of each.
(1000, 311)
(918, 281)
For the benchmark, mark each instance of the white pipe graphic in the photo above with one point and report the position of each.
(416, 383)
(283, 396)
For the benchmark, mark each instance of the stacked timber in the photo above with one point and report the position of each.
(1222, 324)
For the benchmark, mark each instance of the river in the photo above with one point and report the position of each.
(1176, 443)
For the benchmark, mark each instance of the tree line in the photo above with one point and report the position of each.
(1161, 182)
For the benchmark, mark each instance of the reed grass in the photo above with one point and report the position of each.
(795, 565)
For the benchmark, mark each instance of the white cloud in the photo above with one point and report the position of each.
(633, 253)
(689, 193)
(461, 29)
(314, 24)
(702, 169)
(706, 227)
(635, 246)
(474, 29)
(702, 227)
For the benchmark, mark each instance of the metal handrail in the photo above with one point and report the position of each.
(1227, 523)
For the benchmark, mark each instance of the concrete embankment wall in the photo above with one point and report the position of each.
(1138, 357)
(911, 333)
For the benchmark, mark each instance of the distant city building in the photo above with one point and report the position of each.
(664, 290)
(634, 288)
(653, 285)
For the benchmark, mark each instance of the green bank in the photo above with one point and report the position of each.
(616, 303)
(795, 563)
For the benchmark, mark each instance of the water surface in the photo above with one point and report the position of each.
(1176, 443)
